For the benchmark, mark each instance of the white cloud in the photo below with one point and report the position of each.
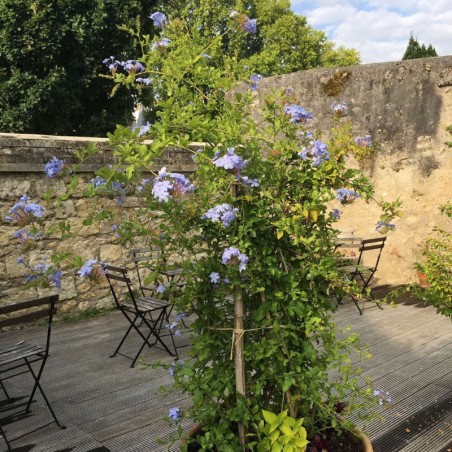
(380, 29)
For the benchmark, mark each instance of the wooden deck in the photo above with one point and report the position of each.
(108, 406)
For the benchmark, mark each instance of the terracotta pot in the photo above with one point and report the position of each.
(423, 281)
(196, 429)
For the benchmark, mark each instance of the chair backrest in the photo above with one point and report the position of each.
(120, 284)
(376, 244)
(30, 311)
(147, 260)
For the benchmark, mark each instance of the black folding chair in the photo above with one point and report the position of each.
(17, 358)
(147, 312)
(362, 271)
(152, 261)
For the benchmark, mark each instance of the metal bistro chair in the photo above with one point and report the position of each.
(147, 312)
(17, 358)
(151, 260)
(361, 273)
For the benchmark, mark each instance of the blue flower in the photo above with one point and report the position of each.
(174, 413)
(230, 161)
(336, 214)
(132, 66)
(143, 81)
(339, 108)
(161, 288)
(162, 44)
(176, 366)
(253, 183)
(214, 277)
(24, 212)
(160, 19)
(116, 188)
(297, 114)
(54, 167)
(384, 228)
(250, 25)
(178, 333)
(383, 397)
(233, 255)
(346, 196)
(170, 185)
(112, 64)
(171, 326)
(317, 152)
(223, 212)
(255, 79)
(144, 129)
(365, 141)
(87, 268)
(24, 235)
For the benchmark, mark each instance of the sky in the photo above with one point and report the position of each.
(380, 29)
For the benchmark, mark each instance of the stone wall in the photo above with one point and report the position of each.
(22, 160)
(405, 106)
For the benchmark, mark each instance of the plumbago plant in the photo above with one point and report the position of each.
(253, 229)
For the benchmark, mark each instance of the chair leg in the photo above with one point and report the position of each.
(38, 386)
(2, 435)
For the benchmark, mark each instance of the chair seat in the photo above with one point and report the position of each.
(147, 304)
(21, 350)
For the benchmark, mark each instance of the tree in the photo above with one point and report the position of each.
(50, 56)
(415, 50)
(284, 41)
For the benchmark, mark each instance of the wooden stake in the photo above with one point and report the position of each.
(239, 346)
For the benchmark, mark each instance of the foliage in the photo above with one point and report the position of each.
(50, 56)
(415, 50)
(281, 433)
(436, 264)
(284, 43)
(252, 228)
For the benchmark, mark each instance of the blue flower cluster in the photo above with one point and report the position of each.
(297, 114)
(383, 396)
(130, 66)
(255, 79)
(173, 328)
(43, 272)
(233, 255)
(55, 167)
(175, 367)
(339, 108)
(223, 212)
(162, 44)
(170, 185)
(383, 227)
(317, 153)
(175, 414)
(143, 130)
(24, 212)
(24, 235)
(346, 196)
(230, 161)
(336, 214)
(116, 189)
(365, 141)
(87, 268)
(143, 81)
(160, 19)
(245, 23)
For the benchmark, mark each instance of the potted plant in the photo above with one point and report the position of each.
(435, 267)
(253, 230)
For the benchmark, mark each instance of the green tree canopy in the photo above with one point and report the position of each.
(284, 41)
(416, 50)
(51, 53)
